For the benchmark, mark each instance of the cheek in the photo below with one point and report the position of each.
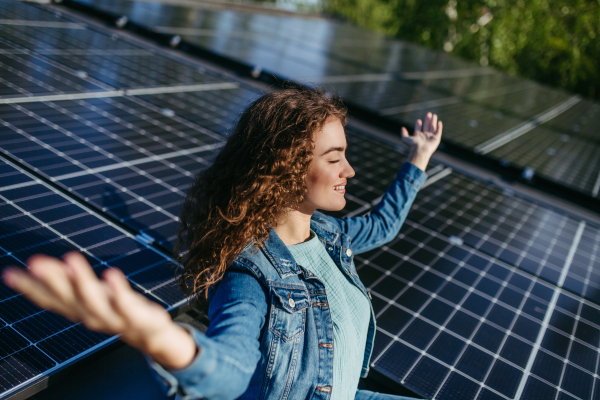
(316, 183)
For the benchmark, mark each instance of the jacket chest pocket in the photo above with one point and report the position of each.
(288, 312)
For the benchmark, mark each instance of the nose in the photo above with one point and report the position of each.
(348, 171)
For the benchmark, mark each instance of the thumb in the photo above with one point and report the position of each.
(406, 139)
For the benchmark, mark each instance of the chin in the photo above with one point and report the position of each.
(337, 206)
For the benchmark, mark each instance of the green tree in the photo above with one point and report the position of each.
(555, 42)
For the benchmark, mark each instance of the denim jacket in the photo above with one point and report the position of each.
(271, 333)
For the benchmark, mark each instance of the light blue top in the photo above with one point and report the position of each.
(350, 313)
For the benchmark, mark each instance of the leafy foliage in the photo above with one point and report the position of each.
(552, 41)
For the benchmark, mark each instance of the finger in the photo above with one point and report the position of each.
(404, 133)
(418, 126)
(440, 126)
(427, 122)
(91, 294)
(36, 291)
(406, 139)
(51, 272)
(434, 121)
(120, 290)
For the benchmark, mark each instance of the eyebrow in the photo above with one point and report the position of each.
(334, 149)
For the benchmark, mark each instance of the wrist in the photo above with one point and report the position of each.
(172, 347)
(418, 159)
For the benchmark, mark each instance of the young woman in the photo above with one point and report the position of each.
(289, 317)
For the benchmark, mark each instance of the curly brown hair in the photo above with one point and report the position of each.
(260, 172)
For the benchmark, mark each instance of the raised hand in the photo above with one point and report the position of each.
(424, 141)
(69, 287)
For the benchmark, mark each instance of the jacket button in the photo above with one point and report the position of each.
(349, 252)
(292, 302)
(330, 248)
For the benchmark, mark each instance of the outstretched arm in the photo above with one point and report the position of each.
(382, 224)
(218, 365)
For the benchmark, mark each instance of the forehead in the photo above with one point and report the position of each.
(331, 135)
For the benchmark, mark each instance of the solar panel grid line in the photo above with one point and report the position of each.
(522, 129)
(551, 308)
(43, 24)
(420, 106)
(61, 97)
(590, 254)
(139, 161)
(348, 78)
(443, 74)
(182, 88)
(98, 52)
(361, 210)
(19, 185)
(437, 176)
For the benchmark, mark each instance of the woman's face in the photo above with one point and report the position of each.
(329, 170)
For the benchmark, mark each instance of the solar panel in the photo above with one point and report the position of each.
(484, 294)
(216, 110)
(121, 155)
(36, 218)
(391, 78)
(90, 53)
(563, 149)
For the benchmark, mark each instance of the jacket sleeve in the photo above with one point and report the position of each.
(383, 223)
(229, 351)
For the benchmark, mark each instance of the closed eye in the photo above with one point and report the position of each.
(333, 162)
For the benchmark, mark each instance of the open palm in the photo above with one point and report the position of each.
(424, 141)
(70, 287)
(427, 135)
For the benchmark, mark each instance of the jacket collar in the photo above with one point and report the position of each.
(282, 259)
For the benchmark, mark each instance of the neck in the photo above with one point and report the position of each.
(293, 227)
